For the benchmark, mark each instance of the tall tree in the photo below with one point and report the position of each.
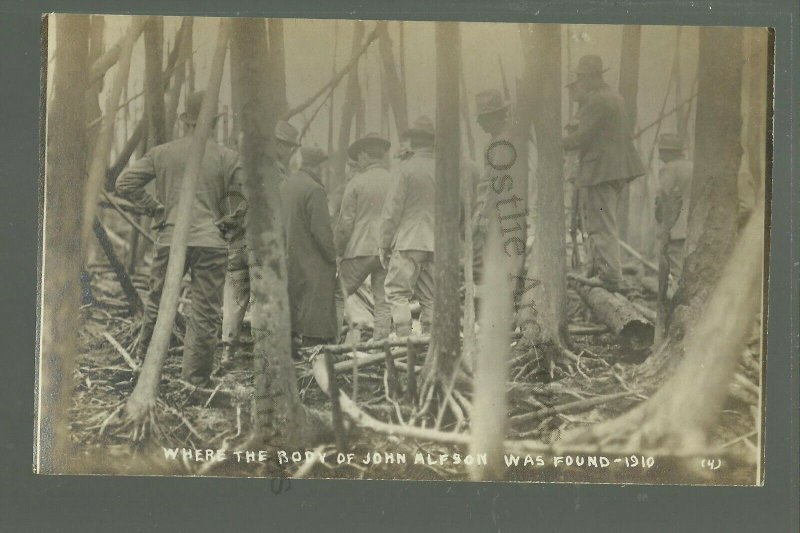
(153, 81)
(277, 65)
(544, 310)
(352, 97)
(629, 89)
(96, 47)
(105, 136)
(279, 416)
(714, 200)
(392, 81)
(444, 353)
(182, 52)
(65, 173)
(140, 406)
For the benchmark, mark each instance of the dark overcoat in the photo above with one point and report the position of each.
(311, 256)
(603, 140)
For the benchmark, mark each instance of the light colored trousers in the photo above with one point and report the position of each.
(410, 274)
(352, 273)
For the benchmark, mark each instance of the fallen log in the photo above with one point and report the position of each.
(619, 314)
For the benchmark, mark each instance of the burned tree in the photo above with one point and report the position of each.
(154, 85)
(629, 90)
(714, 201)
(441, 365)
(543, 313)
(352, 98)
(393, 84)
(65, 173)
(279, 416)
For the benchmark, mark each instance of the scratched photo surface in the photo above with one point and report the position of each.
(405, 250)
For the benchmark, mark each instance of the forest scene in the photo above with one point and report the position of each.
(403, 250)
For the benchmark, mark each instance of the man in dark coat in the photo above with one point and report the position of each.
(207, 249)
(608, 160)
(310, 252)
(237, 279)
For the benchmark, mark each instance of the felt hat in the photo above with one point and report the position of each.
(590, 64)
(422, 127)
(312, 156)
(369, 139)
(287, 133)
(670, 141)
(490, 101)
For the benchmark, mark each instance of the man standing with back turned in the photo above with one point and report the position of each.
(206, 253)
(407, 231)
(608, 160)
(356, 232)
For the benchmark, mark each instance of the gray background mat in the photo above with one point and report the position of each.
(39, 503)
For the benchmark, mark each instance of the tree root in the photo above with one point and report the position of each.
(138, 418)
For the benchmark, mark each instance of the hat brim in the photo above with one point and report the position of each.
(360, 144)
(495, 110)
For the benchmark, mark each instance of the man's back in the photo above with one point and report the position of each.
(408, 215)
(358, 227)
(166, 164)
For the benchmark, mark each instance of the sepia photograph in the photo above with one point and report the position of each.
(403, 250)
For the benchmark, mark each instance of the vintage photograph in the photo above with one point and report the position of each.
(407, 250)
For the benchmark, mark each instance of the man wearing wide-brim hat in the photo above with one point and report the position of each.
(357, 228)
(207, 247)
(310, 251)
(608, 161)
(406, 232)
(237, 277)
(672, 197)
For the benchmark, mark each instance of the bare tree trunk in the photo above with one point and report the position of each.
(182, 53)
(629, 89)
(756, 55)
(141, 402)
(352, 98)
(64, 177)
(102, 148)
(153, 81)
(277, 64)
(279, 416)
(714, 202)
(489, 422)
(544, 310)
(332, 102)
(681, 119)
(96, 46)
(393, 83)
(445, 347)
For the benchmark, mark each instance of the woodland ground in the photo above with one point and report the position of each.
(219, 416)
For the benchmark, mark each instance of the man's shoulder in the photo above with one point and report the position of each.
(605, 97)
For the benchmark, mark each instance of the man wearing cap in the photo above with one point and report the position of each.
(407, 230)
(356, 232)
(493, 118)
(674, 189)
(608, 160)
(206, 254)
(310, 252)
(237, 279)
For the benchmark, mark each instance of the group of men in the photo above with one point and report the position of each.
(385, 227)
